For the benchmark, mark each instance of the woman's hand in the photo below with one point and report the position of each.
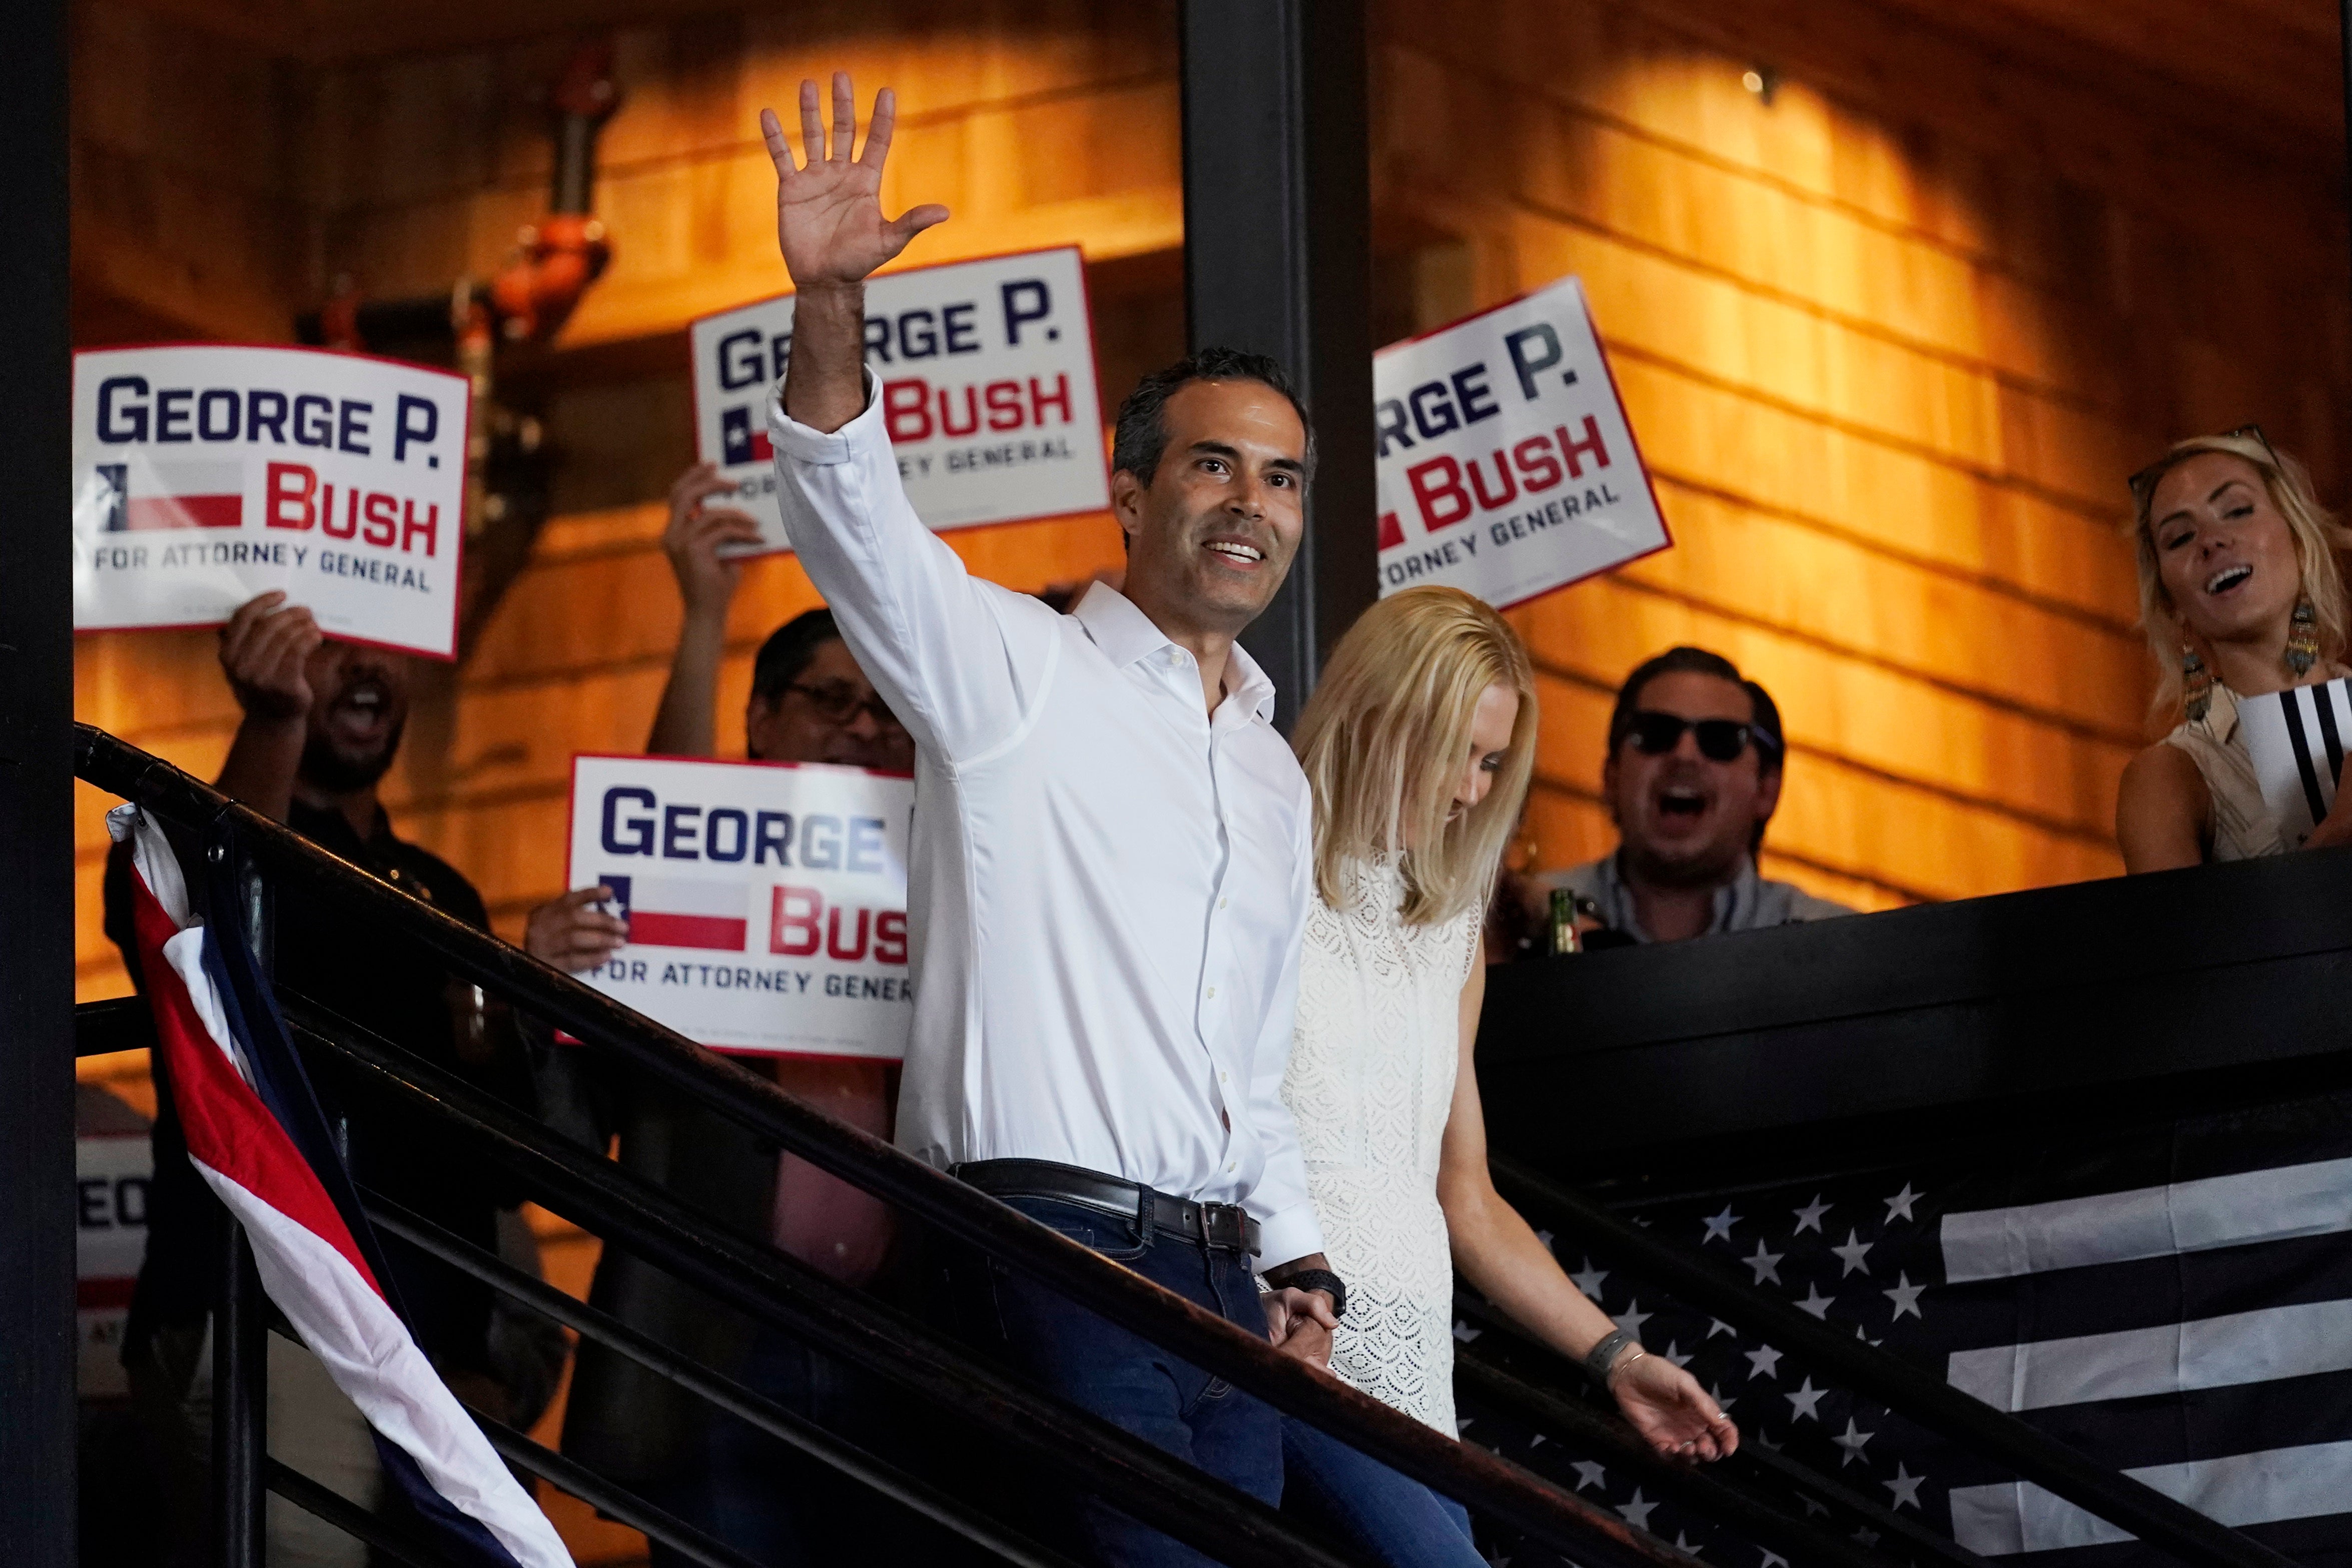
(1669, 1410)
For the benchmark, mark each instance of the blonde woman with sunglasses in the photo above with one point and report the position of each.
(1419, 743)
(2241, 593)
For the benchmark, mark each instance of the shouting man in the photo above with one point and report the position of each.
(1694, 773)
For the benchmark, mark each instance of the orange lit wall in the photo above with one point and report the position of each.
(1890, 341)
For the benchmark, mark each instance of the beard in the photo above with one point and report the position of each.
(338, 772)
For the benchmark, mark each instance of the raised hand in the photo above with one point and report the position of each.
(695, 534)
(265, 651)
(829, 222)
(1671, 1411)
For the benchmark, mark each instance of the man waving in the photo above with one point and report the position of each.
(1111, 857)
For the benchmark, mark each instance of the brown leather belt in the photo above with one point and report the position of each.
(1211, 1225)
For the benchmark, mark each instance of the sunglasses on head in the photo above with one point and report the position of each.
(1719, 740)
(2143, 483)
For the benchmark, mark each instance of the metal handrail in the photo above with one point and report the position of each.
(572, 1476)
(773, 1287)
(1493, 1486)
(345, 1515)
(1501, 1377)
(2068, 1473)
(590, 1323)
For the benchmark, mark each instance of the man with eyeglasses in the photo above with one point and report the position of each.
(810, 703)
(1693, 775)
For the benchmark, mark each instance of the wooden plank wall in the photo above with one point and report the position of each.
(1891, 342)
(421, 169)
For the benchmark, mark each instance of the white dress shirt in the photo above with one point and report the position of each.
(1107, 883)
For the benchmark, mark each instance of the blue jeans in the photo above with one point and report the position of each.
(1122, 1377)
(1398, 1521)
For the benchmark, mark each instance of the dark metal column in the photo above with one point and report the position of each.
(2344, 40)
(240, 1406)
(1277, 259)
(37, 887)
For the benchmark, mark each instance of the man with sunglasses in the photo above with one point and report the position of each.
(1693, 775)
(810, 703)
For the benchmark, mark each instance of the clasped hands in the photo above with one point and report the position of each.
(1299, 1323)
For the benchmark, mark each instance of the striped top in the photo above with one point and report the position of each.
(2243, 826)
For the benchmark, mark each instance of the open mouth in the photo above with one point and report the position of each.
(1678, 800)
(1236, 552)
(2227, 578)
(361, 713)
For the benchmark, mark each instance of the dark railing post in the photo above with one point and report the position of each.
(37, 876)
(241, 1322)
(1278, 260)
(240, 1405)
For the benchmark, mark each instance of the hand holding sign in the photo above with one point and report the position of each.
(572, 932)
(697, 536)
(265, 652)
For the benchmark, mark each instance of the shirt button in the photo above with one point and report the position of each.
(1232, 1168)
(1221, 903)
(1221, 1078)
(1213, 992)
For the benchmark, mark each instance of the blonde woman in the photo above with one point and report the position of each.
(1419, 743)
(2241, 593)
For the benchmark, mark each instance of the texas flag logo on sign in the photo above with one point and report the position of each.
(739, 441)
(172, 495)
(670, 912)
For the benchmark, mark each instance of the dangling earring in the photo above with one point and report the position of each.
(2303, 639)
(2196, 684)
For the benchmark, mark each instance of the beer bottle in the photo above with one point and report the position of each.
(1563, 923)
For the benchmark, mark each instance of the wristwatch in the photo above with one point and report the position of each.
(1321, 1279)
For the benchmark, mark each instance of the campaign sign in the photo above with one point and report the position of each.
(111, 1172)
(1506, 467)
(986, 372)
(206, 474)
(766, 902)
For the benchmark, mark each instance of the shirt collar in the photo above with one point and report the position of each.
(1732, 902)
(1125, 634)
(1736, 900)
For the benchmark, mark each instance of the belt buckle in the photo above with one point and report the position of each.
(1211, 1216)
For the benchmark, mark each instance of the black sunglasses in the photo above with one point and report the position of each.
(2143, 483)
(838, 703)
(1719, 740)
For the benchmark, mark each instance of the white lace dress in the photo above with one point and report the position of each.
(1370, 1083)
